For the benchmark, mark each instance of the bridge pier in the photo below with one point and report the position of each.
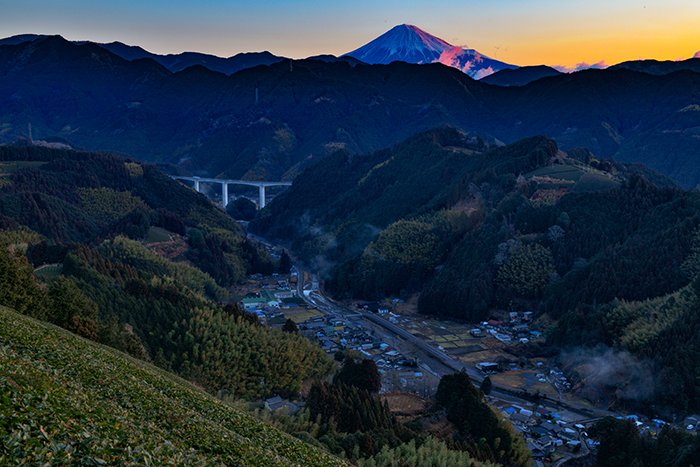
(196, 186)
(224, 194)
(261, 194)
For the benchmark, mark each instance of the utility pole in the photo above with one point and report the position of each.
(29, 127)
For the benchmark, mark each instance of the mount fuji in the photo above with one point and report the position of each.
(408, 43)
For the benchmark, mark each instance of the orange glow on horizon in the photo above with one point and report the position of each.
(532, 32)
(606, 47)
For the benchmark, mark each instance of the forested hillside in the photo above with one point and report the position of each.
(116, 252)
(473, 228)
(119, 253)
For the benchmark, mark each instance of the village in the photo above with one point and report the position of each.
(275, 299)
(553, 436)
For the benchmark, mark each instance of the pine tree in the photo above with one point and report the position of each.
(290, 327)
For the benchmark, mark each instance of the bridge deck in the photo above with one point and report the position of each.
(232, 182)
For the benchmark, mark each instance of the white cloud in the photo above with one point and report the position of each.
(581, 66)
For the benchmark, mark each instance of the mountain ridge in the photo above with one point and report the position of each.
(173, 62)
(269, 122)
(661, 67)
(520, 76)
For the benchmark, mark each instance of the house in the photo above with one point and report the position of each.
(546, 441)
(487, 367)
(520, 418)
(252, 303)
(536, 450)
(282, 293)
(539, 431)
(276, 403)
(270, 299)
(550, 427)
(505, 338)
(574, 444)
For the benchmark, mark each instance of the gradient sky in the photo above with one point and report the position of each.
(523, 32)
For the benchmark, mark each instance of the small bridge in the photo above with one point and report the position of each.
(197, 181)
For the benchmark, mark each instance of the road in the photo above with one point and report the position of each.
(314, 296)
(428, 352)
(440, 362)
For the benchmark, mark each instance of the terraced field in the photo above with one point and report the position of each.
(64, 400)
(574, 178)
(48, 272)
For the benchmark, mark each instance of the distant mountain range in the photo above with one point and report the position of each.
(271, 121)
(656, 67)
(403, 43)
(408, 43)
(173, 62)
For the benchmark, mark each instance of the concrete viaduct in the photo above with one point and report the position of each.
(197, 181)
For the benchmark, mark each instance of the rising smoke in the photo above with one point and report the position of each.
(604, 374)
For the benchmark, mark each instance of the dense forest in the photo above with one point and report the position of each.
(622, 445)
(472, 227)
(350, 419)
(119, 253)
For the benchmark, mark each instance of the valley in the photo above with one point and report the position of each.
(554, 422)
(403, 253)
(411, 254)
(119, 253)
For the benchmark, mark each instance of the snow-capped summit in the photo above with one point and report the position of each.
(408, 43)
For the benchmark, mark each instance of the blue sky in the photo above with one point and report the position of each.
(563, 32)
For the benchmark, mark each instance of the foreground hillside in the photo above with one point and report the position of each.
(473, 229)
(65, 399)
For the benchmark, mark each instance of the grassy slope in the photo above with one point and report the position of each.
(63, 399)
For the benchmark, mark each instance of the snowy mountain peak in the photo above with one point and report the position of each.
(409, 43)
